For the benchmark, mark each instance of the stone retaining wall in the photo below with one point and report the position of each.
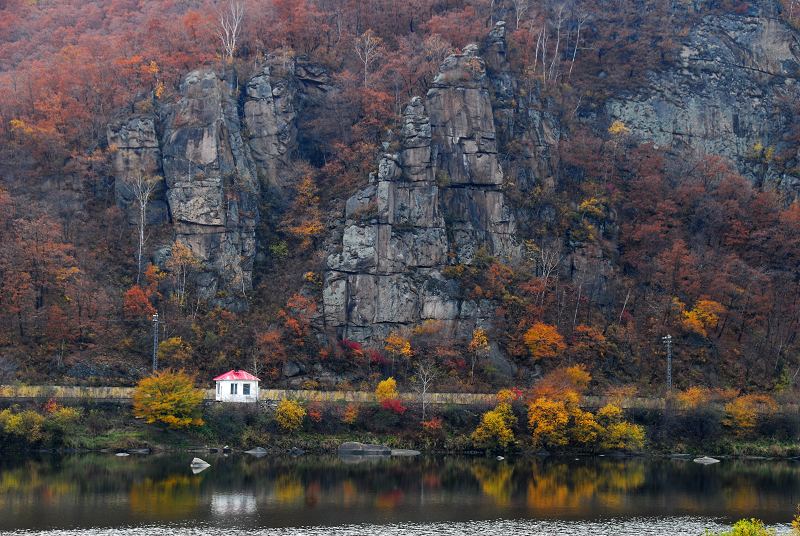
(124, 394)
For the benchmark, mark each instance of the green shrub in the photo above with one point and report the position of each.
(224, 422)
(746, 527)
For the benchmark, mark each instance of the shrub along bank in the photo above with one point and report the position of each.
(548, 417)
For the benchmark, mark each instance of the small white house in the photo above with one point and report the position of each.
(237, 386)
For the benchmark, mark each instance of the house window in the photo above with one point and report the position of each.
(246, 389)
(217, 387)
(234, 388)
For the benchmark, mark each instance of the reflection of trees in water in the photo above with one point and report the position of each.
(148, 483)
(288, 489)
(495, 481)
(349, 492)
(28, 485)
(561, 484)
(163, 487)
(173, 496)
(388, 500)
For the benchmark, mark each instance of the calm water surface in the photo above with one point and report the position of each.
(159, 495)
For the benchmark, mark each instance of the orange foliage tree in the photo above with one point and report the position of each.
(297, 317)
(304, 219)
(136, 304)
(543, 340)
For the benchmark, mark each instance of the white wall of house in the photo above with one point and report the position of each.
(237, 391)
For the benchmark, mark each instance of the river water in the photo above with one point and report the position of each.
(322, 496)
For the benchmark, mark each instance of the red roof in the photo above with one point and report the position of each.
(236, 375)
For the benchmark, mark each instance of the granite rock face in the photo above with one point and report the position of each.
(439, 195)
(137, 153)
(727, 95)
(211, 185)
(215, 159)
(270, 117)
(437, 201)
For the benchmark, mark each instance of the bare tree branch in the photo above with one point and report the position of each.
(369, 47)
(425, 374)
(142, 188)
(230, 25)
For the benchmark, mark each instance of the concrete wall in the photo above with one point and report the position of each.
(124, 394)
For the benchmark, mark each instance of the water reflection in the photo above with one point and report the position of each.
(242, 491)
(171, 497)
(232, 504)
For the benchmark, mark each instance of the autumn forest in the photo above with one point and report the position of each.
(617, 237)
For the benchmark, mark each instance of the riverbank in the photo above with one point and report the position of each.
(94, 426)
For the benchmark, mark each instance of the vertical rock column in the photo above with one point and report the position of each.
(465, 158)
(269, 115)
(211, 186)
(393, 239)
(438, 200)
(134, 143)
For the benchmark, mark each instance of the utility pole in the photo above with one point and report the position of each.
(155, 342)
(668, 343)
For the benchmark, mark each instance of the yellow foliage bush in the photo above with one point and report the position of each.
(742, 413)
(702, 317)
(746, 527)
(585, 429)
(592, 206)
(507, 396)
(398, 345)
(25, 424)
(557, 423)
(623, 436)
(170, 398)
(618, 434)
(64, 416)
(479, 342)
(174, 350)
(289, 415)
(548, 420)
(608, 414)
(387, 390)
(617, 128)
(495, 428)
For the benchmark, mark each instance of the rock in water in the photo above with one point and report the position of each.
(197, 462)
(354, 448)
(258, 452)
(405, 452)
(705, 460)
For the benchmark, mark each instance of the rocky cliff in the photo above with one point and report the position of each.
(731, 93)
(437, 201)
(215, 159)
(440, 196)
